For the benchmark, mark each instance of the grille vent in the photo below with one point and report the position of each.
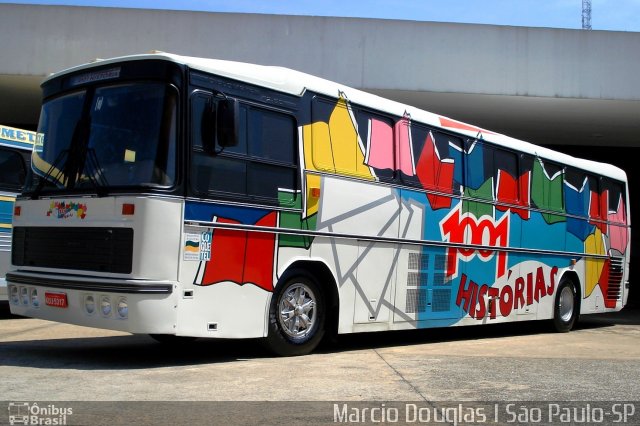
(616, 272)
(427, 286)
(87, 249)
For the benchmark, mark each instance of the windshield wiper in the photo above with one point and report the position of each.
(94, 173)
(82, 157)
(45, 178)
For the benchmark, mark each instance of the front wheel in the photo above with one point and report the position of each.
(566, 308)
(296, 317)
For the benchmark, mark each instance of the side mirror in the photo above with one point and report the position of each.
(228, 122)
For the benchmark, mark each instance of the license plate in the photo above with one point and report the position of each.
(57, 300)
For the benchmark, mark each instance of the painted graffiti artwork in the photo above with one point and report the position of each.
(282, 206)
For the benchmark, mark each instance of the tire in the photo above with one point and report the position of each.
(566, 307)
(296, 316)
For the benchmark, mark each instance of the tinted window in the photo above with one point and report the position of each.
(12, 169)
(262, 165)
(547, 185)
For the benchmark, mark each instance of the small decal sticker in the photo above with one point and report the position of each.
(197, 247)
(64, 210)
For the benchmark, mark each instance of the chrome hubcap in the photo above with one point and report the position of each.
(566, 304)
(296, 311)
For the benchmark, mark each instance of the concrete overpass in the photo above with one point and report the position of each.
(548, 86)
(579, 90)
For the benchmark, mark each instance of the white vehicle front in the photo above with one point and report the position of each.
(97, 232)
(107, 262)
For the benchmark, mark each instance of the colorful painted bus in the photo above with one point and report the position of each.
(15, 151)
(177, 196)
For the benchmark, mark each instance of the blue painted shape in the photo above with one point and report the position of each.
(441, 308)
(201, 211)
(474, 158)
(476, 175)
(538, 234)
(577, 203)
(458, 170)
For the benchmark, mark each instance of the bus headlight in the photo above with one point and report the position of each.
(89, 304)
(34, 298)
(123, 308)
(105, 306)
(24, 295)
(14, 296)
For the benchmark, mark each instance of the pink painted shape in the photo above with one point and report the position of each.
(618, 233)
(380, 149)
(404, 149)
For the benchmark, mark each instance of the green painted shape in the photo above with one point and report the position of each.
(293, 220)
(290, 199)
(551, 218)
(547, 193)
(479, 208)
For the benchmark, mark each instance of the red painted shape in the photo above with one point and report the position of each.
(604, 284)
(435, 174)
(242, 257)
(260, 254)
(453, 124)
(598, 208)
(507, 193)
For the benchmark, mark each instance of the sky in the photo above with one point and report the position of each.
(610, 15)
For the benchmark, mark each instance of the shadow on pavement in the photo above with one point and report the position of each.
(5, 311)
(142, 352)
(627, 316)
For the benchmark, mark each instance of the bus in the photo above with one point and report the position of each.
(184, 197)
(15, 151)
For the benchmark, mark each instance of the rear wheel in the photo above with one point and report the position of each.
(296, 316)
(567, 307)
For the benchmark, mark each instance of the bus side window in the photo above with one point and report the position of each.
(261, 167)
(272, 160)
(617, 201)
(580, 189)
(507, 179)
(547, 185)
(438, 160)
(12, 169)
(382, 137)
(480, 170)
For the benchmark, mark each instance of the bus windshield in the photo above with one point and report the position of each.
(121, 135)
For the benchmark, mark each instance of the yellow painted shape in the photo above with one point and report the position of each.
(313, 181)
(594, 244)
(348, 155)
(317, 147)
(5, 225)
(5, 198)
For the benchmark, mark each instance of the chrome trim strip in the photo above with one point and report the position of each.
(433, 243)
(82, 283)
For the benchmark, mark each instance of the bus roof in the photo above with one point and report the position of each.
(297, 83)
